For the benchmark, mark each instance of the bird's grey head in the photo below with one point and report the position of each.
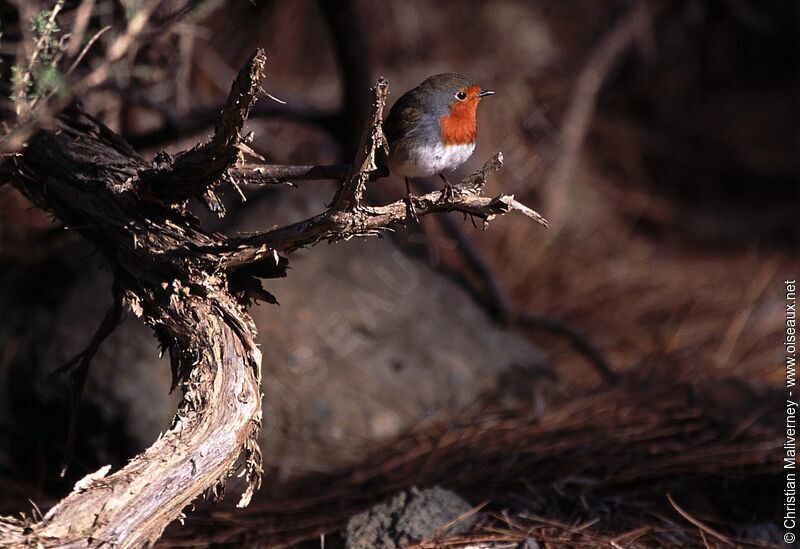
(439, 91)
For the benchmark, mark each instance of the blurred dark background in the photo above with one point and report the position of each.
(660, 138)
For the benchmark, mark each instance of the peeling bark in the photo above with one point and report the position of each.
(98, 186)
(192, 287)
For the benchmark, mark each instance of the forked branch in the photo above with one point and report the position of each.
(197, 172)
(192, 287)
(348, 216)
(364, 220)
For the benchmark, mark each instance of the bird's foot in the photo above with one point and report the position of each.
(412, 210)
(449, 193)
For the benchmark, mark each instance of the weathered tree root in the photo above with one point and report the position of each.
(193, 288)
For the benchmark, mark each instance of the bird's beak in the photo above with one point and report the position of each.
(484, 93)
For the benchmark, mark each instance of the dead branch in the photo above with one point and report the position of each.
(197, 172)
(276, 174)
(632, 27)
(192, 287)
(349, 217)
(179, 126)
(334, 225)
(348, 197)
(496, 300)
(577, 340)
(94, 181)
(78, 368)
(342, 123)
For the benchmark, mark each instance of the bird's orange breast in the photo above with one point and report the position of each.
(460, 126)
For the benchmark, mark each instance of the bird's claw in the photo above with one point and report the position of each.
(412, 210)
(448, 193)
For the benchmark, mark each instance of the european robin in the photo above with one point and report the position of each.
(432, 128)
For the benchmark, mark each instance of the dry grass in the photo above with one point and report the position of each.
(593, 470)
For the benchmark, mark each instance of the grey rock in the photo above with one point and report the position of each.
(409, 518)
(365, 344)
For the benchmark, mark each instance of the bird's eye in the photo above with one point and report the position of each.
(461, 95)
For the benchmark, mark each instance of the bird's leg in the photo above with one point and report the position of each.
(449, 191)
(412, 211)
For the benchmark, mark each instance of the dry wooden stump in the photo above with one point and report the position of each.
(192, 287)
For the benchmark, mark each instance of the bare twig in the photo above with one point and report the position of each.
(201, 169)
(499, 304)
(179, 126)
(120, 46)
(273, 174)
(348, 197)
(496, 300)
(39, 114)
(577, 120)
(348, 217)
(578, 341)
(334, 225)
(704, 527)
(79, 370)
(86, 49)
(82, 16)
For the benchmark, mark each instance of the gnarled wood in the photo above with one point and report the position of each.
(133, 506)
(192, 287)
(91, 179)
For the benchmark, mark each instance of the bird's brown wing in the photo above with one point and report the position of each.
(409, 121)
(403, 117)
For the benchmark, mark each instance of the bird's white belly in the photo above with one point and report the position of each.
(430, 160)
